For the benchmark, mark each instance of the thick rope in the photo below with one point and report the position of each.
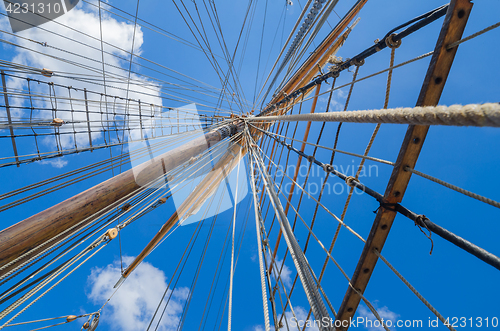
(230, 306)
(455, 188)
(425, 302)
(487, 114)
(296, 253)
(259, 246)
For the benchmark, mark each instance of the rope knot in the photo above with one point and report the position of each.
(386, 206)
(334, 73)
(327, 167)
(350, 181)
(391, 43)
(420, 222)
(358, 63)
(310, 158)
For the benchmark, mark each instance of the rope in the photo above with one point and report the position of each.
(109, 209)
(393, 45)
(487, 114)
(259, 246)
(318, 202)
(455, 188)
(230, 307)
(48, 319)
(265, 242)
(472, 36)
(140, 213)
(10, 309)
(420, 57)
(370, 306)
(424, 20)
(425, 302)
(298, 257)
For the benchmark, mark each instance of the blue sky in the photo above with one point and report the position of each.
(457, 284)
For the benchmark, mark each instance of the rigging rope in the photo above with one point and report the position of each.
(424, 301)
(487, 114)
(312, 293)
(230, 307)
(259, 247)
(454, 187)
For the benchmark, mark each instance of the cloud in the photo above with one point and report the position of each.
(337, 102)
(56, 163)
(76, 40)
(286, 272)
(384, 313)
(133, 305)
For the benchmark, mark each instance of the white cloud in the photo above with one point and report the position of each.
(253, 257)
(56, 163)
(134, 304)
(337, 102)
(384, 313)
(72, 46)
(286, 272)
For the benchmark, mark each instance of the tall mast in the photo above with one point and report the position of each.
(31, 235)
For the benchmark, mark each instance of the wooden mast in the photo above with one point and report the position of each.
(439, 68)
(320, 55)
(26, 236)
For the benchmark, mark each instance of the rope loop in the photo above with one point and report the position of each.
(334, 73)
(387, 206)
(420, 222)
(358, 63)
(350, 181)
(327, 167)
(391, 43)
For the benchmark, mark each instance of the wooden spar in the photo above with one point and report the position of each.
(439, 68)
(317, 59)
(26, 236)
(193, 202)
(320, 55)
